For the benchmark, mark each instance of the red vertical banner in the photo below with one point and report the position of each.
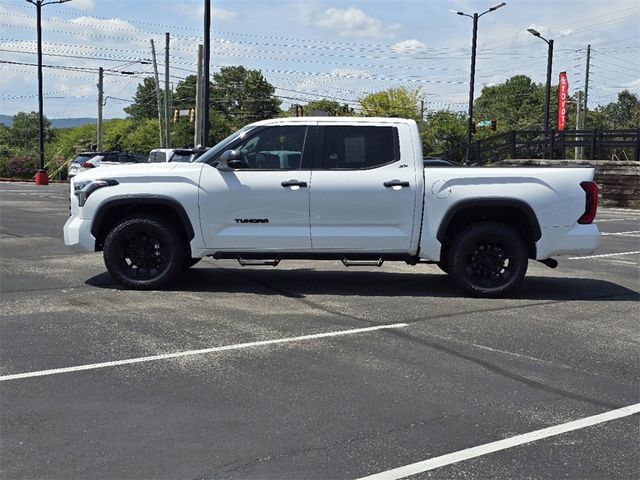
(563, 92)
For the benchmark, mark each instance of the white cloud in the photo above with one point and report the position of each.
(353, 22)
(84, 5)
(408, 47)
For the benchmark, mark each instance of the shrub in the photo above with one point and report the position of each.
(20, 167)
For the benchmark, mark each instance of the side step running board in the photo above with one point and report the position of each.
(362, 263)
(272, 262)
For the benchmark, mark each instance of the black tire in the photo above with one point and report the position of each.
(144, 252)
(488, 260)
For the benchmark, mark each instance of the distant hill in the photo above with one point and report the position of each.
(55, 122)
(71, 122)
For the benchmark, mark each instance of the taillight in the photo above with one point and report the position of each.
(591, 190)
(87, 165)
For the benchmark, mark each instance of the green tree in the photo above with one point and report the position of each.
(24, 132)
(243, 96)
(182, 133)
(443, 130)
(185, 94)
(143, 138)
(116, 132)
(623, 113)
(145, 102)
(517, 104)
(395, 102)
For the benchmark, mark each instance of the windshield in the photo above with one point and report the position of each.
(83, 157)
(220, 147)
(181, 157)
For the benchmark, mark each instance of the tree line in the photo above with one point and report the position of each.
(240, 96)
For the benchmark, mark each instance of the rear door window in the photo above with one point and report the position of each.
(358, 147)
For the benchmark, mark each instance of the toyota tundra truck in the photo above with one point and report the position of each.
(349, 189)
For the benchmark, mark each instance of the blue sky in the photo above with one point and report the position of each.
(311, 49)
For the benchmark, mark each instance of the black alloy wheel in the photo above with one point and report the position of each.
(143, 252)
(488, 259)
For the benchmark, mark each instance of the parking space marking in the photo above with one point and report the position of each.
(604, 255)
(615, 220)
(634, 233)
(187, 353)
(487, 448)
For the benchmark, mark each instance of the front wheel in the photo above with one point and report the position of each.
(143, 252)
(488, 260)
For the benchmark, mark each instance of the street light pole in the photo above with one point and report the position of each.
(472, 78)
(41, 174)
(547, 92)
(205, 73)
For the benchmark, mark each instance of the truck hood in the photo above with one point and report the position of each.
(141, 172)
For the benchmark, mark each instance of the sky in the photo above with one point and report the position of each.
(312, 49)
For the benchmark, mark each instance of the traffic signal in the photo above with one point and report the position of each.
(473, 127)
(494, 124)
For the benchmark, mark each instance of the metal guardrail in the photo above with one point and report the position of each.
(596, 144)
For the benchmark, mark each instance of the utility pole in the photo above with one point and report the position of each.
(155, 72)
(41, 176)
(586, 87)
(421, 109)
(167, 93)
(207, 59)
(578, 150)
(197, 136)
(100, 105)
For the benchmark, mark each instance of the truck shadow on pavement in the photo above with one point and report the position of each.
(298, 283)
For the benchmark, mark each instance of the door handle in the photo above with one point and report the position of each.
(395, 183)
(293, 183)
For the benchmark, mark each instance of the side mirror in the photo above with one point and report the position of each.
(230, 160)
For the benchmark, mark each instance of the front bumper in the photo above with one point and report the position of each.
(77, 235)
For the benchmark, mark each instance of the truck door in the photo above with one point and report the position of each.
(264, 204)
(363, 189)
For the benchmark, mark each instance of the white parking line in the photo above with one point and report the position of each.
(633, 233)
(165, 356)
(604, 255)
(614, 220)
(492, 447)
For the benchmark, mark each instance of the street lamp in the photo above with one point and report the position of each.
(547, 92)
(475, 18)
(41, 175)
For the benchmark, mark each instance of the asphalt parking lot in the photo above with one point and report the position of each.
(312, 370)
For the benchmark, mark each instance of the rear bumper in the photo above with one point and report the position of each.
(576, 240)
(77, 235)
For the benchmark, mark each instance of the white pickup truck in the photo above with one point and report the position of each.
(350, 189)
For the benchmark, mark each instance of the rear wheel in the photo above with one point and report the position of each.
(143, 252)
(488, 259)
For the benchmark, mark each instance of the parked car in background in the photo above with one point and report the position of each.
(161, 155)
(78, 160)
(102, 159)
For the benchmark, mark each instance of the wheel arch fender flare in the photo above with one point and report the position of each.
(495, 203)
(143, 200)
